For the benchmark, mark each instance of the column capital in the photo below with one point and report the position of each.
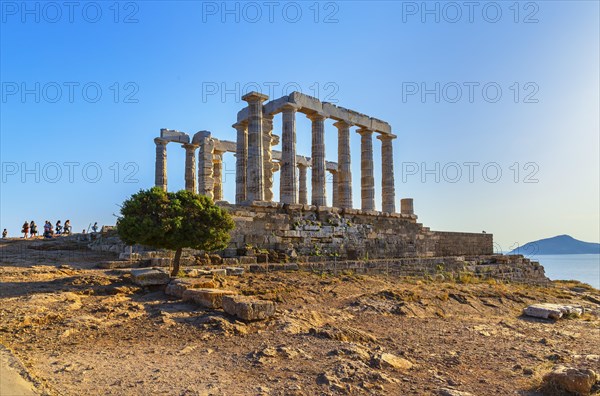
(243, 125)
(190, 146)
(332, 171)
(364, 131)
(386, 136)
(290, 107)
(300, 165)
(341, 124)
(160, 141)
(316, 116)
(254, 97)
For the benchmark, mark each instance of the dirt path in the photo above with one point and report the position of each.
(11, 381)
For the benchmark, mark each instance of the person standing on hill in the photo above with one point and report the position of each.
(67, 228)
(58, 228)
(4, 233)
(33, 229)
(25, 229)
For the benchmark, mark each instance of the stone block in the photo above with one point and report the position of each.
(118, 264)
(234, 271)
(218, 271)
(160, 262)
(248, 260)
(551, 311)
(231, 261)
(248, 308)
(129, 256)
(177, 287)
(209, 298)
(149, 277)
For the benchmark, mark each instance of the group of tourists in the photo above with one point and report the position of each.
(30, 229)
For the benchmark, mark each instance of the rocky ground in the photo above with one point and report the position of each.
(80, 330)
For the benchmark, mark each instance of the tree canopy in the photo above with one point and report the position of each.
(174, 220)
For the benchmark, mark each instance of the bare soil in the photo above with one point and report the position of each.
(79, 330)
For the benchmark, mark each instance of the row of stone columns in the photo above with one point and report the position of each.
(255, 167)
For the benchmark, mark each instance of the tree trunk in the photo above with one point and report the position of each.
(175, 270)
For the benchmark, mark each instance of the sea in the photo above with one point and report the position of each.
(582, 267)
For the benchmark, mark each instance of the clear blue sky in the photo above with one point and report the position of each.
(157, 65)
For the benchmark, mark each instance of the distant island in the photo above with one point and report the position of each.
(561, 244)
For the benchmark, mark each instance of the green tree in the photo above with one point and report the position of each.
(174, 220)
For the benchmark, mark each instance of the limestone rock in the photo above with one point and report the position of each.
(177, 286)
(452, 392)
(248, 308)
(234, 271)
(149, 277)
(392, 361)
(551, 311)
(578, 381)
(209, 298)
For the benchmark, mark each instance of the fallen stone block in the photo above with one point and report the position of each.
(248, 308)
(118, 264)
(219, 271)
(234, 271)
(177, 287)
(160, 262)
(290, 267)
(572, 380)
(195, 273)
(209, 298)
(149, 277)
(551, 311)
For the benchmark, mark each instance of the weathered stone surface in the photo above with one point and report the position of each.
(387, 174)
(118, 264)
(574, 380)
(392, 361)
(247, 260)
(160, 261)
(551, 311)
(209, 298)
(248, 308)
(319, 197)
(234, 271)
(452, 392)
(218, 271)
(177, 286)
(367, 181)
(129, 256)
(149, 277)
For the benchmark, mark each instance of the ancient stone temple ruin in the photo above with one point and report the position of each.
(299, 225)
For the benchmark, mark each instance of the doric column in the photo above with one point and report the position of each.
(344, 173)
(367, 182)
(268, 156)
(287, 180)
(388, 194)
(190, 167)
(302, 189)
(254, 171)
(218, 175)
(241, 161)
(319, 196)
(335, 187)
(205, 166)
(160, 170)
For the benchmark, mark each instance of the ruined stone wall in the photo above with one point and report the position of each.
(463, 243)
(306, 230)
